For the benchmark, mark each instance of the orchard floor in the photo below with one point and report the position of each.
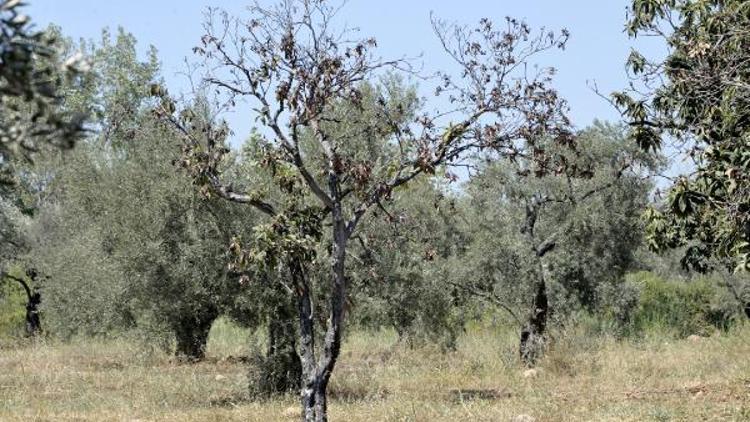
(378, 380)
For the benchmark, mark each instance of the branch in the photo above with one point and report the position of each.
(546, 246)
(217, 186)
(490, 296)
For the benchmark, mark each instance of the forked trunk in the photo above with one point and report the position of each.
(316, 374)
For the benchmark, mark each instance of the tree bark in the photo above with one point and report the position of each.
(316, 375)
(191, 333)
(307, 338)
(281, 370)
(334, 331)
(532, 335)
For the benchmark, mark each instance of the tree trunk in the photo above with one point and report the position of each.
(307, 338)
(33, 300)
(532, 336)
(281, 369)
(192, 335)
(33, 322)
(316, 375)
(334, 331)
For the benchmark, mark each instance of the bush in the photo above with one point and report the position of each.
(684, 308)
(12, 309)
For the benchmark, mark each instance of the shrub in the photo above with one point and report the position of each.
(684, 308)
(12, 310)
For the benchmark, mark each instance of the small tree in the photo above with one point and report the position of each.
(293, 68)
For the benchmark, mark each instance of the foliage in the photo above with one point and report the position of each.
(695, 307)
(32, 78)
(123, 229)
(403, 253)
(697, 96)
(591, 223)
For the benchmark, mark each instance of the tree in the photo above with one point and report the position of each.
(33, 118)
(123, 230)
(293, 67)
(401, 256)
(698, 97)
(550, 244)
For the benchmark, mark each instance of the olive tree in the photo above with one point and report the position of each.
(400, 261)
(292, 66)
(33, 119)
(126, 240)
(545, 244)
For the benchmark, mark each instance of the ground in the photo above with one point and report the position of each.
(582, 379)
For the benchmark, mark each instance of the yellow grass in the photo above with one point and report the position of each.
(378, 380)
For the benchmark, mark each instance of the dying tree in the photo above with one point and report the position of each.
(292, 66)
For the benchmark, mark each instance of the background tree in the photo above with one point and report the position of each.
(33, 118)
(400, 266)
(552, 244)
(123, 229)
(293, 67)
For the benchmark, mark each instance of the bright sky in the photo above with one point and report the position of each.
(596, 52)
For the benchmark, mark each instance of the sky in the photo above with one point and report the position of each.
(596, 52)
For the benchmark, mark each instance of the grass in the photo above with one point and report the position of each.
(581, 379)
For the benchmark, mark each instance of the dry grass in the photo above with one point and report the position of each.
(580, 380)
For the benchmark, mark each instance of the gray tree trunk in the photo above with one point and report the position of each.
(317, 374)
